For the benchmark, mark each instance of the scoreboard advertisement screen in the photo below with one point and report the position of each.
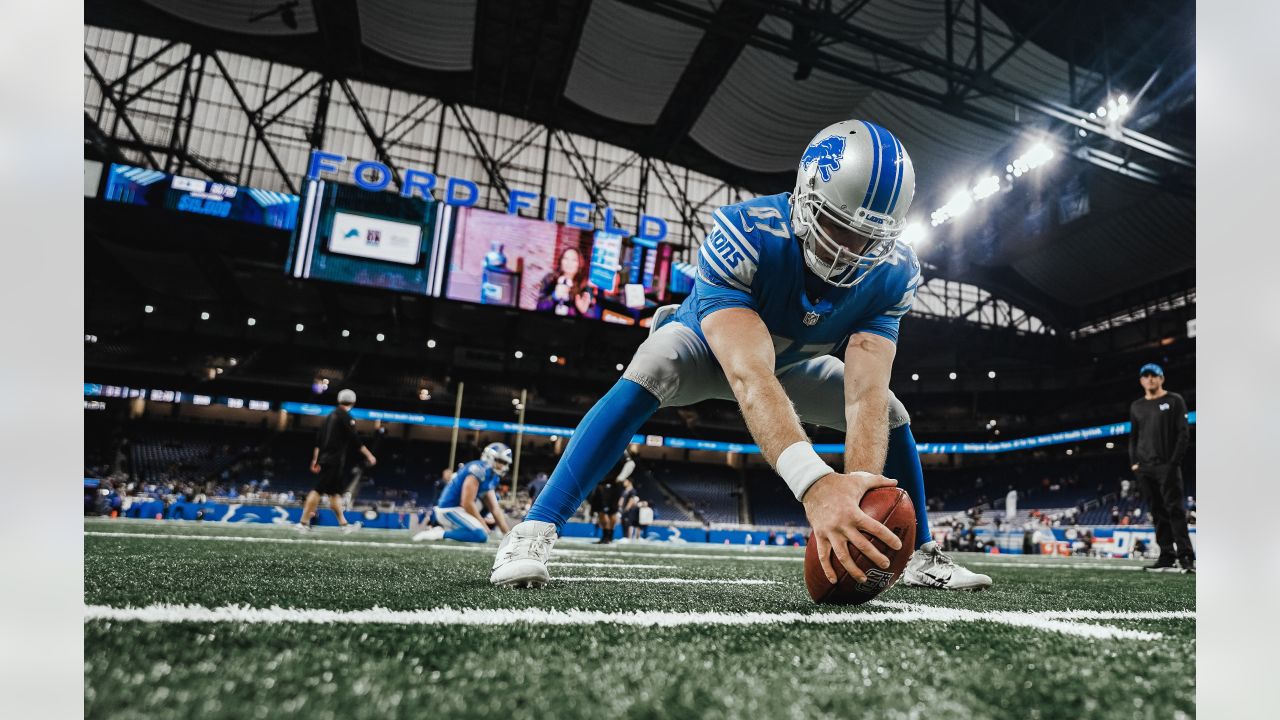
(513, 261)
(350, 235)
(152, 188)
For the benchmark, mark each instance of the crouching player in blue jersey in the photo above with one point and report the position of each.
(783, 282)
(458, 512)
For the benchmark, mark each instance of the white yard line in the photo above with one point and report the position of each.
(612, 565)
(671, 581)
(902, 613)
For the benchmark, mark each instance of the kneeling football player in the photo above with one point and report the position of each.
(458, 510)
(783, 281)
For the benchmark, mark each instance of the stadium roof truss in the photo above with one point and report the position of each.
(249, 121)
(952, 300)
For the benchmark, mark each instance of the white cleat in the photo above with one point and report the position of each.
(930, 568)
(523, 554)
(431, 534)
(299, 527)
(351, 527)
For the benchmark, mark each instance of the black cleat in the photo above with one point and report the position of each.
(1161, 566)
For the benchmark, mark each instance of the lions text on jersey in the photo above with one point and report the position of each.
(752, 259)
(452, 495)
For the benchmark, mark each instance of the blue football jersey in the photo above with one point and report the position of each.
(752, 259)
(452, 495)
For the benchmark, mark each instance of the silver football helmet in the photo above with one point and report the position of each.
(497, 456)
(857, 176)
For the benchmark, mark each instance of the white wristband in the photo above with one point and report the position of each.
(801, 467)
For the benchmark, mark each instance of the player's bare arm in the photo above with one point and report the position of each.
(470, 489)
(868, 361)
(742, 345)
(499, 516)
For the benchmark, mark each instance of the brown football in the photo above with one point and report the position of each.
(892, 507)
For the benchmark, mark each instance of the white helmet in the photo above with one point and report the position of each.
(497, 456)
(858, 176)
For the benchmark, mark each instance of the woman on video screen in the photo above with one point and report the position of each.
(565, 291)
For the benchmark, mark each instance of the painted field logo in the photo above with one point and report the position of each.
(826, 153)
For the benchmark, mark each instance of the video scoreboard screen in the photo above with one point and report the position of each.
(350, 235)
(152, 188)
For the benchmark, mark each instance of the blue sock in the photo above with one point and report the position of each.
(594, 448)
(903, 464)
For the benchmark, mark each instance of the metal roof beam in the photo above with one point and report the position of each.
(728, 30)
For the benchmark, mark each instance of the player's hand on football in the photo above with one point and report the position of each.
(833, 505)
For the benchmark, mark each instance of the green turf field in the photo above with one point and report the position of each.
(252, 621)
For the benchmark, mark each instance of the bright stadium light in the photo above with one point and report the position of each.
(555, 359)
(346, 333)
(251, 322)
(431, 344)
(1111, 446)
(518, 354)
(515, 401)
(299, 327)
(204, 316)
(1102, 111)
(1070, 451)
(619, 367)
(986, 187)
(913, 234)
(952, 376)
(991, 374)
(915, 376)
(381, 337)
(148, 309)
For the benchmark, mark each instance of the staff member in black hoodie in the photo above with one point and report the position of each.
(1157, 442)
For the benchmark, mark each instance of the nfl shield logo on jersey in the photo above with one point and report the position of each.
(811, 318)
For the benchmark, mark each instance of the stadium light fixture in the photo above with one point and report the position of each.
(431, 344)
(555, 359)
(1111, 446)
(346, 333)
(380, 337)
(251, 322)
(619, 367)
(518, 354)
(204, 316)
(986, 187)
(991, 374)
(424, 394)
(515, 401)
(915, 376)
(1070, 451)
(299, 327)
(217, 371)
(148, 309)
(952, 376)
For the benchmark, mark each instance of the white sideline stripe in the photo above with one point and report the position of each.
(585, 554)
(593, 555)
(1066, 565)
(166, 613)
(612, 565)
(671, 581)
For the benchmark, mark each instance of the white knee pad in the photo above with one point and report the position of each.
(897, 412)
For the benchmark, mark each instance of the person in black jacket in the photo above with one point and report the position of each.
(1157, 443)
(329, 462)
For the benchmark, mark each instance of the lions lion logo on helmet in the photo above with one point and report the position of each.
(826, 153)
